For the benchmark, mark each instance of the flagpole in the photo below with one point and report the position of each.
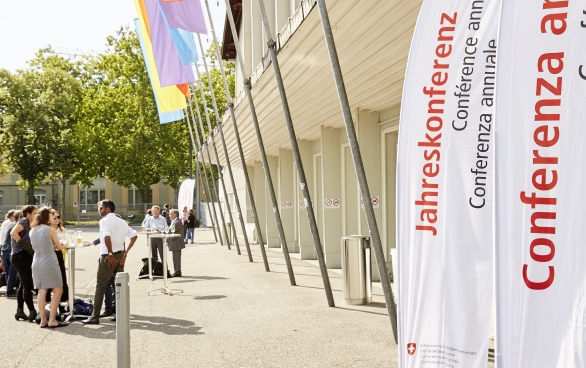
(221, 129)
(217, 190)
(297, 156)
(195, 149)
(359, 166)
(212, 136)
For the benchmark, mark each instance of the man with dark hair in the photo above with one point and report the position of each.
(189, 227)
(113, 232)
(9, 270)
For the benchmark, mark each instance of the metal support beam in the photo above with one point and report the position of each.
(297, 156)
(206, 185)
(212, 136)
(221, 125)
(261, 147)
(240, 151)
(359, 166)
(215, 188)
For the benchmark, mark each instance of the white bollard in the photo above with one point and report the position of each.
(122, 319)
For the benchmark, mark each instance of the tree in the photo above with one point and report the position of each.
(64, 158)
(37, 106)
(119, 122)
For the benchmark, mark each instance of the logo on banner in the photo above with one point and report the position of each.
(286, 205)
(411, 348)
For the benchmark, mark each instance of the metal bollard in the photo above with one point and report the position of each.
(122, 319)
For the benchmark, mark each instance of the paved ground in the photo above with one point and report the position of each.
(232, 314)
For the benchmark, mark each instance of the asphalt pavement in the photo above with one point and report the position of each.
(231, 314)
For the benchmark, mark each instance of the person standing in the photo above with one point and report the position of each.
(189, 227)
(9, 270)
(45, 267)
(176, 244)
(57, 224)
(165, 213)
(21, 258)
(158, 223)
(113, 233)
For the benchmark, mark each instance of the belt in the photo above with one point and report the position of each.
(120, 251)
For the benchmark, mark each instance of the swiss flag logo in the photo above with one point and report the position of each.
(411, 347)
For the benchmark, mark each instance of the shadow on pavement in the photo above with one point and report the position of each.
(210, 297)
(107, 329)
(361, 311)
(197, 278)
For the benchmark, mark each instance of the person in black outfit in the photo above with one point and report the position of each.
(189, 227)
(165, 214)
(22, 259)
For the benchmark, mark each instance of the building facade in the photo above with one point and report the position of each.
(373, 40)
(81, 202)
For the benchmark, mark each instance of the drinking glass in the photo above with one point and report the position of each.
(172, 229)
(165, 230)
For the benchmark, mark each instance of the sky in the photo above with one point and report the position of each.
(27, 26)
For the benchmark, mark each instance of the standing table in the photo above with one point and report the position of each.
(149, 256)
(165, 289)
(71, 282)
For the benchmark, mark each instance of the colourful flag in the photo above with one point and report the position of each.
(169, 67)
(183, 41)
(186, 14)
(168, 99)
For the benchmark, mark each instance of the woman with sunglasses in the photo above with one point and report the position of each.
(57, 224)
(46, 273)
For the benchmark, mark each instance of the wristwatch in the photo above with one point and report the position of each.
(110, 254)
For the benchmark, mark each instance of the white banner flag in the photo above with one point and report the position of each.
(541, 175)
(185, 198)
(445, 179)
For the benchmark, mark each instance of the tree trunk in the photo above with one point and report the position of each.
(62, 199)
(31, 192)
(145, 195)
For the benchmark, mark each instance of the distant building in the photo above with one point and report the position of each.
(81, 201)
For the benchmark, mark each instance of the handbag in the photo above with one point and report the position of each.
(25, 243)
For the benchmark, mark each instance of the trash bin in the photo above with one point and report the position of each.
(356, 274)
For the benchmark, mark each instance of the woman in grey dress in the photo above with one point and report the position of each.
(46, 272)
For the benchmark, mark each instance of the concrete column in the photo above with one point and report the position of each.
(369, 139)
(257, 40)
(259, 196)
(305, 239)
(287, 197)
(351, 197)
(332, 192)
(282, 13)
(271, 231)
(293, 6)
(249, 217)
(270, 6)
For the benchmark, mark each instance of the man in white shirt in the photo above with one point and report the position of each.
(113, 233)
(159, 223)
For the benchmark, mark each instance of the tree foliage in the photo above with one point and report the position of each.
(37, 108)
(120, 123)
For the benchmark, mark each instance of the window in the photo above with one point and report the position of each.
(134, 196)
(91, 196)
(40, 197)
(1, 198)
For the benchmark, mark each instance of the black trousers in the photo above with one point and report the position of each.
(65, 295)
(23, 262)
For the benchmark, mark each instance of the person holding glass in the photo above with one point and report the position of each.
(176, 244)
(45, 268)
(57, 224)
(156, 223)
